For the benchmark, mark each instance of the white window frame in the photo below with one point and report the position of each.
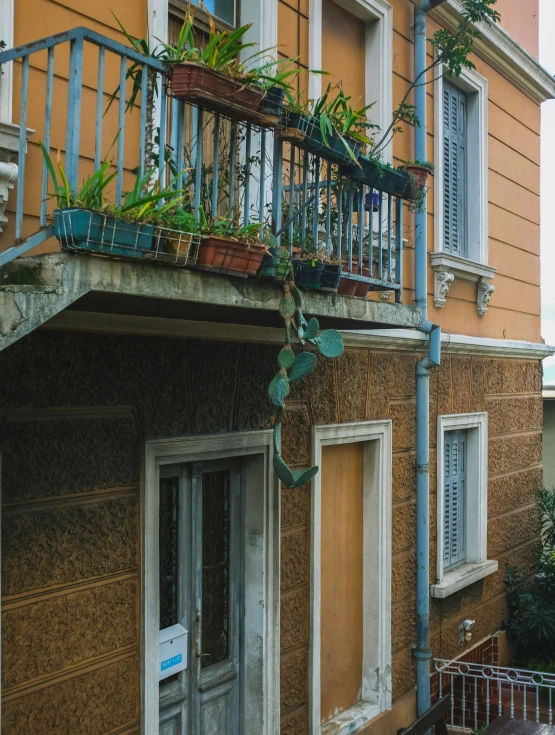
(6, 79)
(378, 16)
(261, 549)
(477, 565)
(475, 267)
(377, 492)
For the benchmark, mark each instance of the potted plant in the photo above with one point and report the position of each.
(418, 172)
(84, 218)
(375, 173)
(309, 267)
(276, 264)
(228, 247)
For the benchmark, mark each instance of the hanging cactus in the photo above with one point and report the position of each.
(291, 368)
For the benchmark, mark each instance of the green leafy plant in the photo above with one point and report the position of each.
(229, 226)
(294, 367)
(424, 164)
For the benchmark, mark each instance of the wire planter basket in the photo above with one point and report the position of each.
(101, 234)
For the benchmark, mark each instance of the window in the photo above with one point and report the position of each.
(454, 171)
(350, 679)
(462, 483)
(222, 9)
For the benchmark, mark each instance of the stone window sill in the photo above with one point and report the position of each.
(352, 720)
(463, 576)
(448, 267)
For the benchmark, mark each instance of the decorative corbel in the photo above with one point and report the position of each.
(9, 148)
(442, 281)
(8, 176)
(485, 290)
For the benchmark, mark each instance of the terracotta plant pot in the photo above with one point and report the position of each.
(223, 255)
(198, 84)
(349, 287)
(418, 177)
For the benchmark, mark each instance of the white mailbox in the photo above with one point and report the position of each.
(173, 651)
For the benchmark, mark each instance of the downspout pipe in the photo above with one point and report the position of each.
(422, 652)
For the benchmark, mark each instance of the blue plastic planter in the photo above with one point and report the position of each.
(85, 230)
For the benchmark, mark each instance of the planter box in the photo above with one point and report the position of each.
(230, 256)
(292, 126)
(308, 273)
(203, 86)
(85, 230)
(392, 181)
(335, 149)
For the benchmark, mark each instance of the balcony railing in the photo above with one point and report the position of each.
(81, 106)
(480, 693)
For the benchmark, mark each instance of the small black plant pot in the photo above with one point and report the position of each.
(273, 101)
(331, 277)
(308, 273)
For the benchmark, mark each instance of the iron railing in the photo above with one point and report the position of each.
(219, 162)
(480, 693)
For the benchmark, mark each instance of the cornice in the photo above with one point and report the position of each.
(502, 52)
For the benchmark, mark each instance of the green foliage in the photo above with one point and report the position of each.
(330, 344)
(531, 600)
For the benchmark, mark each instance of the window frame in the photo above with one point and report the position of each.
(378, 15)
(476, 88)
(477, 565)
(377, 503)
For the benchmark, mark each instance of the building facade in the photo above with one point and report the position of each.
(137, 483)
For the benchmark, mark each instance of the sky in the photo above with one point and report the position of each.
(547, 59)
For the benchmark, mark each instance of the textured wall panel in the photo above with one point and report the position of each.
(352, 383)
(514, 414)
(96, 702)
(65, 544)
(513, 376)
(511, 453)
(294, 678)
(295, 559)
(295, 506)
(295, 618)
(61, 631)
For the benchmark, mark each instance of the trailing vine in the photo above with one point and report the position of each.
(295, 367)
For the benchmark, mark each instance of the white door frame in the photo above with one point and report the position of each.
(262, 519)
(376, 692)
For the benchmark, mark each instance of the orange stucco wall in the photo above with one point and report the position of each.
(520, 19)
(514, 184)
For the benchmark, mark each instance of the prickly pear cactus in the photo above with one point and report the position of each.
(295, 367)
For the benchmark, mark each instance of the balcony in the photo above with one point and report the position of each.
(294, 196)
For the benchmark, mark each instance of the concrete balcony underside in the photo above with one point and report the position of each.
(103, 285)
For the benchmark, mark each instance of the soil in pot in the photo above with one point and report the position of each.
(308, 273)
(196, 83)
(230, 256)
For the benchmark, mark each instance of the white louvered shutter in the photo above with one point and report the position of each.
(454, 551)
(454, 171)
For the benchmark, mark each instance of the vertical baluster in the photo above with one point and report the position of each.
(262, 193)
(216, 170)
(440, 685)
(512, 701)
(463, 692)
(22, 147)
(389, 226)
(452, 700)
(305, 194)
(328, 210)
(232, 156)
(550, 708)
(277, 184)
(291, 208)
(180, 144)
(499, 700)
(475, 678)
(316, 200)
(99, 106)
(350, 229)
(47, 124)
(340, 218)
(361, 232)
(121, 128)
(73, 133)
(162, 149)
(246, 204)
(399, 249)
(487, 702)
(371, 232)
(524, 707)
(198, 162)
(142, 126)
(537, 703)
(380, 238)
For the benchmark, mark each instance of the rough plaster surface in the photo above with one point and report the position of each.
(180, 387)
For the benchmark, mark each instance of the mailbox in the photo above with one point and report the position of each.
(173, 651)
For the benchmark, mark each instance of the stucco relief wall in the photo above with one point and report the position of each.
(74, 410)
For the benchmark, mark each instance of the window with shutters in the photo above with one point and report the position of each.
(462, 482)
(454, 451)
(454, 171)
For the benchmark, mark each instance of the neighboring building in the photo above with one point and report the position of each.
(548, 436)
(133, 401)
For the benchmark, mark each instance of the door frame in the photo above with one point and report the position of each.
(261, 570)
(376, 437)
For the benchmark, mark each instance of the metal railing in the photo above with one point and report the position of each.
(306, 199)
(480, 693)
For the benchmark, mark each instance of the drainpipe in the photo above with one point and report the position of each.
(422, 652)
